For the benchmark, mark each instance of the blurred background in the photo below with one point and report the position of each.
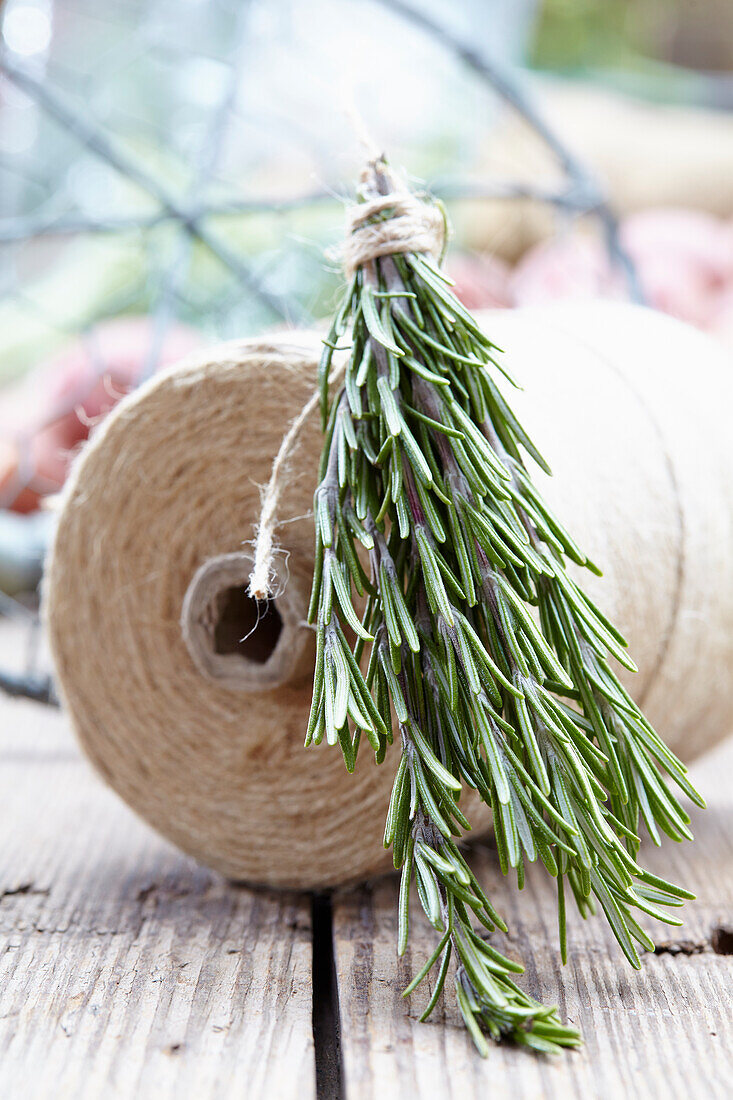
(171, 172)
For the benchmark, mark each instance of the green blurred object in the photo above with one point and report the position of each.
(673, 51)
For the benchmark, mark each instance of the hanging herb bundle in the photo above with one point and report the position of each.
(473, 636)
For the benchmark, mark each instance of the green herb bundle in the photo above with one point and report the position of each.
(473, 640)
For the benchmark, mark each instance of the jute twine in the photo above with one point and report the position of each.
(630, 408)
(412, 226)
(397, 222)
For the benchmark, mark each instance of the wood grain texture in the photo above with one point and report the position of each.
(664, 1031)
(126, 971)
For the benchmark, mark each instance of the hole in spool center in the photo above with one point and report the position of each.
(244, 626)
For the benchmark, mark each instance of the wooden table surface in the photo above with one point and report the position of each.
(127, 971)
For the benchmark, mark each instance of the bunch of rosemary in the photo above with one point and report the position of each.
(426, 510)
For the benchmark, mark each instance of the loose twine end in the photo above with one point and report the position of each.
(263, 572)
(390, 220)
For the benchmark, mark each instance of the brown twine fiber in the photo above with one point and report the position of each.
(412, 226)
(630, 407)
(263, 577)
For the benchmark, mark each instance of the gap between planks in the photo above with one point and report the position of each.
(666, 1030)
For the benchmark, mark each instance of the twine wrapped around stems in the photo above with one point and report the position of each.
(206, 743)
(410, 226)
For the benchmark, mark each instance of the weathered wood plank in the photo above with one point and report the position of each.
(126, 970)
(666, 1030)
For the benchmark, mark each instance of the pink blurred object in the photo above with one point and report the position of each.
(722, 325)
(481, 282)
(46, 417)
(684, 259)
(677, 233)
(570, 267)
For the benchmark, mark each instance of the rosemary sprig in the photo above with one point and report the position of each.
(426, 510)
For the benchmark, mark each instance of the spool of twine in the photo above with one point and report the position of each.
(146, 594)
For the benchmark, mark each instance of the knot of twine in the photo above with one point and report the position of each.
(383, 225)
(408, 225)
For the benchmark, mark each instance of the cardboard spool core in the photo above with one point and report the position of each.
(239, 642)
